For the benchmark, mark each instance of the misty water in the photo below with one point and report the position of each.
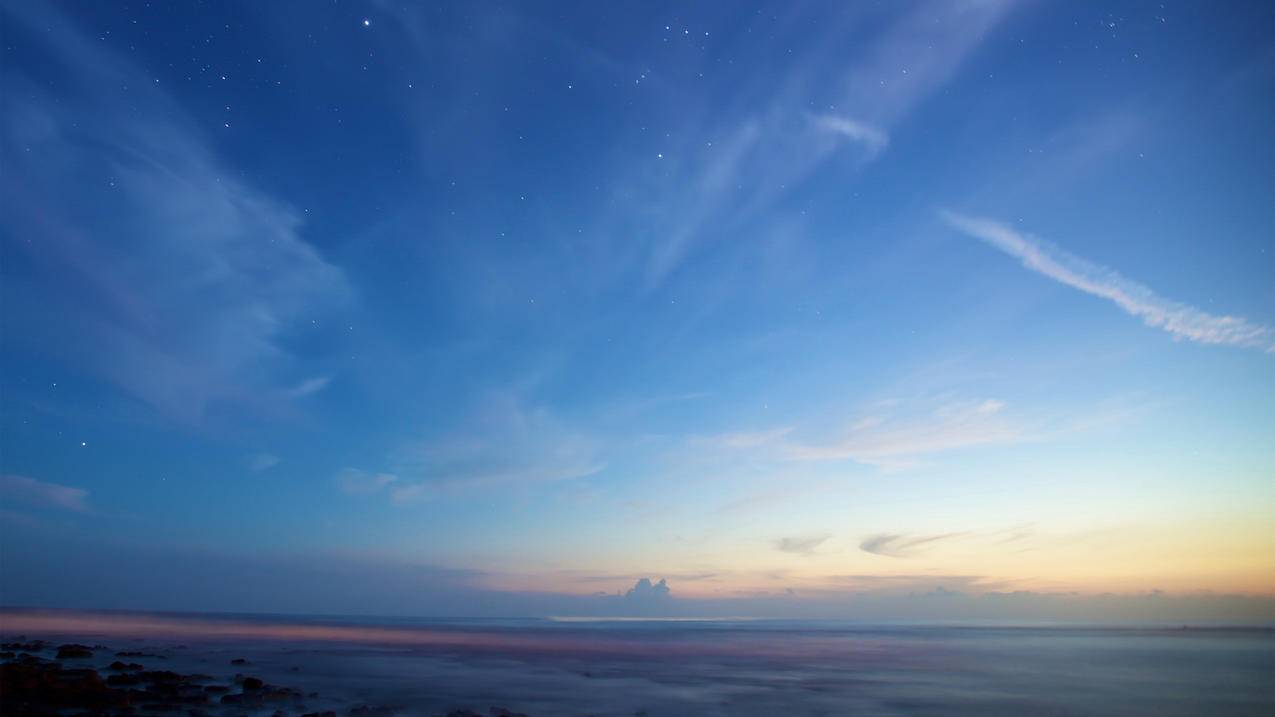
(546, 667)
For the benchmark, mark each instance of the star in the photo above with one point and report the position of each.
(367, 22)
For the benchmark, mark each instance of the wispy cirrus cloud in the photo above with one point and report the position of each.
(309, 386)
(262, 461)
(897, 442)
(902, 546)
(890, 436)
(872, 138)
(717, 179)
(157, 249)
(1181, 320)
(801, 545)
(359, 482)
(906, 545)
(503, 443)
(42, 494)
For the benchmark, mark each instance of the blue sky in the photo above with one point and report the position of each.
(780, 303)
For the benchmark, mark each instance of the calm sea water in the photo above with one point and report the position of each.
(545, 668)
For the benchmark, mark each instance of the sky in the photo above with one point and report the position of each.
(942, 310)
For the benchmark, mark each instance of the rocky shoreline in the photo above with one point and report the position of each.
(41, 679)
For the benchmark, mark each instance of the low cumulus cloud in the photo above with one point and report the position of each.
(646, 591)
(34, 493)
(646, 598)
(801, 545)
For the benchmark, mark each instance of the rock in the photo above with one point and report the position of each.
(46, 688)
(502, 712)
(238, 661)
(330, 713)
(32, 646)
(118, 666)
(74, 652)
(252, 683)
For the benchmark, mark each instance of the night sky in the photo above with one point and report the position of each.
(488, 308)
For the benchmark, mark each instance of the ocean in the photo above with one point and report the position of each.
(549, 667)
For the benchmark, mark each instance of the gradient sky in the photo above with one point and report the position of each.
(491, 308)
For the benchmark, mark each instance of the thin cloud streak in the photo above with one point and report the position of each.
(263, 462)
(872, 138)
(801, 545)
(189, 274)
(502, 444)
(902, 546)
(40, 494)
(881, 442)
(1181, 320)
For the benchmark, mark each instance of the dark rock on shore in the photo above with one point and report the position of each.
(370, 711)
(22, 646)
(42, 688)
(74, 652)
(123, 680)
(31, 686)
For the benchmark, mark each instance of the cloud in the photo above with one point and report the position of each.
(747, 439)
(134, 232)
(801, 545)
(39, 494)
(1180, 320)
(902, 546)
(358, 482)
(502, 443)
(309, 386)
(873, 139)
(713, 184)
(646, 596)
(263, 461)
(893, 442)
